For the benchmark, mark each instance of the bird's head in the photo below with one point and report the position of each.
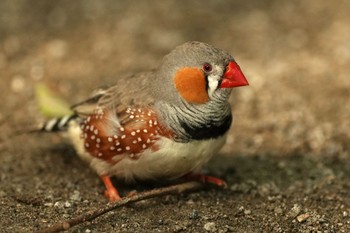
(197, 73)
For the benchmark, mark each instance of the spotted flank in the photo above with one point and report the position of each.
(139, 131)
(58, 124)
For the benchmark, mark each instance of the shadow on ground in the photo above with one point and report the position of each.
(287, 155)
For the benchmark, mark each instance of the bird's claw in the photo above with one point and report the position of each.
(207, 179)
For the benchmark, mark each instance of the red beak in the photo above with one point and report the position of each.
(233, 77)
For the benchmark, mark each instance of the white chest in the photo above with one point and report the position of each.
(172, 160)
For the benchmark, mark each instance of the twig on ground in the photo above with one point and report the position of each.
(174, 189)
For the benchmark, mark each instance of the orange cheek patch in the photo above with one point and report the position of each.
(191, 84)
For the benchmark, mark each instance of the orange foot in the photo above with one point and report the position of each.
(206, 179)
(111, 192)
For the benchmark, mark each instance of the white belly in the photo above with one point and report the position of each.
(171, 161)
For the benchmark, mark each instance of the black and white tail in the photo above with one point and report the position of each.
(57, 124)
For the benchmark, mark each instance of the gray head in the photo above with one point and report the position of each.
(192, 86)
(194, 73)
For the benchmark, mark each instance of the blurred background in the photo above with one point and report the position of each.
(295, 54)
(287, 152)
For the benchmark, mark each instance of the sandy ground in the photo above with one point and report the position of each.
(287, 156)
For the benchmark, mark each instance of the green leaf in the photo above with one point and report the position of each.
(50, 104)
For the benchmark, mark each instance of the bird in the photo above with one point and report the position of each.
(161, 124)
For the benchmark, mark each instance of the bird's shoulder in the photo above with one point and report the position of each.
(128, 91)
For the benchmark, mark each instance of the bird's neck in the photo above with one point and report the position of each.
(198, 122)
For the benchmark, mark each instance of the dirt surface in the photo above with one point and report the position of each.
(287, 156)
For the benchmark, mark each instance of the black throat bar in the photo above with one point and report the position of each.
(208, 130)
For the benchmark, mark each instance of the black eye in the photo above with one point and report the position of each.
(207, 67)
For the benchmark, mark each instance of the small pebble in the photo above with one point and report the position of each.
(76, 196)
(303, 217)
(190, 202)
(48, 204)
(294, 211)
(210, 227)
(67, 204)
(59, 204)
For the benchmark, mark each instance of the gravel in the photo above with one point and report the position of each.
(287, 155)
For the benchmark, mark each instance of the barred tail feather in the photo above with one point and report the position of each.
(57, 124)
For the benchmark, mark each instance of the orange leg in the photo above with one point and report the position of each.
(206, 179)
(111, 192)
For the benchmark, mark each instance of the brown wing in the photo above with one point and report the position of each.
(119, 120)
(128, 92)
